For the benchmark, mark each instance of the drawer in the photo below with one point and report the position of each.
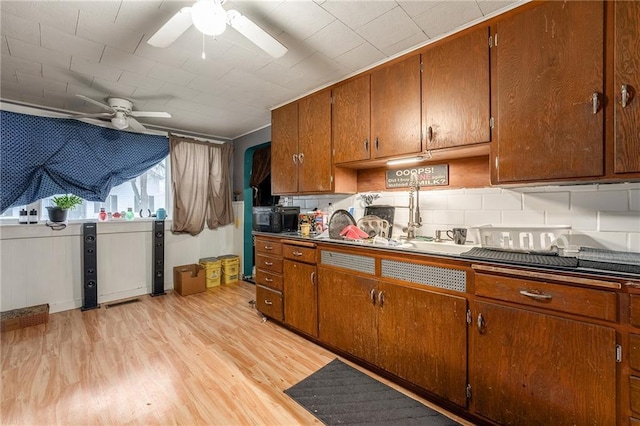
(299, 254)
(634, 393)
(273, 264)
(581, 301)
(634, 351)
(269, 247)
(269, 302)
(269, 279)
(634, 317)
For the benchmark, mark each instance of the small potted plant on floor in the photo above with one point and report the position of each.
(62, 204)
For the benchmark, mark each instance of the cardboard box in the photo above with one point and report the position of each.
(189, 279)
(24, 317)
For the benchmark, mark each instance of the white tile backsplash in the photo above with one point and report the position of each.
(547, 201)
(600, 200)
(601, 216)
(619, 221)
(507, 200)
(522, 217)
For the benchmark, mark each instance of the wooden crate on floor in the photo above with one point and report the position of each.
(24, 317)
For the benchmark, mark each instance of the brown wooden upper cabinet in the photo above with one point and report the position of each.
(455, 91)
(378, 115)
(626, 86)
(301, 146)
(549, 93)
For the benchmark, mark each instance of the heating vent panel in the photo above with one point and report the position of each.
(354, 262)
(435, 276)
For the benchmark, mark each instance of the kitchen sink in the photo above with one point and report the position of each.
(447, 247)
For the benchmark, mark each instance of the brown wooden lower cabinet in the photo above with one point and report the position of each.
(415, 334)
(300, 305)
(346, 313)
(423, 339)
(533, 368)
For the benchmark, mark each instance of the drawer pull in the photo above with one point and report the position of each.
(297, 253)
(269, 280)
(268, 302)
(268, 247)
(268, 263)
(535, 294)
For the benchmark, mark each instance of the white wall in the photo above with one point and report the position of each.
(601, 215)
(39, 265)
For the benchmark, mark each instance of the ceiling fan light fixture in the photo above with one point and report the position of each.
(120, 122)
(209, 17)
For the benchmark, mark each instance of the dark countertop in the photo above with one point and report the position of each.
(572, 268)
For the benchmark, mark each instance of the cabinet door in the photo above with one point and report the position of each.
(627, 77)
(395, 109)
(549, 67)
(423, 339)
(351, 120)
(529, 368)
(314, 145)
(284, 149)
(347, 315)
(300, 298)
(455, 91)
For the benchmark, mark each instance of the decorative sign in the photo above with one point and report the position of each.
(432, 175)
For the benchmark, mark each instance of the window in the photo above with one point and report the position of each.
(147, 192)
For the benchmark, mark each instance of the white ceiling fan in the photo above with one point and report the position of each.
(121, 113)
(210, 18)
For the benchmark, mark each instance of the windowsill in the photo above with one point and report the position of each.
(10, 229)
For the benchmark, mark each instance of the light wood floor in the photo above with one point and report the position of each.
(202, 359)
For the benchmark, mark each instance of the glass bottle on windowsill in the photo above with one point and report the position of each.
(129, 215)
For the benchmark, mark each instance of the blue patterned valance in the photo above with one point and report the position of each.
(41, 156)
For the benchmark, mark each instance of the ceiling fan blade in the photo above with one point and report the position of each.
(149, 114)
(255, 34)
(92, 101)
(98, 115)
(135, 124)
(172, 29)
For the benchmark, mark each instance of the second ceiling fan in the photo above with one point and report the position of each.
(209, 17)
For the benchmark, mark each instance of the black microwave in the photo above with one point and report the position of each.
(275, 218)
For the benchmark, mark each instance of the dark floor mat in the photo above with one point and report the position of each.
(338, 394)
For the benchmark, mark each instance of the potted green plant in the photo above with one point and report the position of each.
(62, 204)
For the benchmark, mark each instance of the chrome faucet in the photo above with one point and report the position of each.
(415, 221)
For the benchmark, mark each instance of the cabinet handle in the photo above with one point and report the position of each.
(430, 133)
(377, 143)
(536, 294)
(268, 248)
(268, 263)
(381, 298)
(595, 100)
(624, 92)
(366, 145)
(372, 295)
(295, 158)
(297, 253)
(268, 302)
(301, 157)
(313, 277)
(480, 324)
(269, 280)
